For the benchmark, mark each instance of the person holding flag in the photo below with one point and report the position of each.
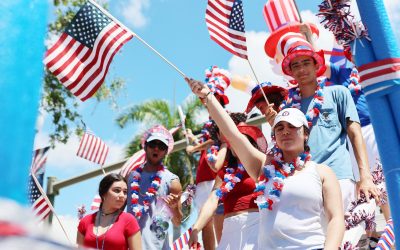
(153, 189)
(291, 185)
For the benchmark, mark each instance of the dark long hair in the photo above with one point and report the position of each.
(107, 182)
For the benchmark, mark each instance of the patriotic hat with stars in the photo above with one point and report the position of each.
(281, 17)
(268, 88)
(293, 45)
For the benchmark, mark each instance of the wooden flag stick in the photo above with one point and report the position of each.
(50, 205)
(138, 37)
(258, 82)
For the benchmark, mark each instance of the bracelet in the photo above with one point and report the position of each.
(204, 99)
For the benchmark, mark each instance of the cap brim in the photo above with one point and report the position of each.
(295, 123)
(158, 138)
(272, 41)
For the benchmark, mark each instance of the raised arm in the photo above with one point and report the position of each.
(251, 158)
(333, 207)
(206, 213)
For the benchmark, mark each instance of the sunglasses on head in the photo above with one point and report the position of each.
(160, 145)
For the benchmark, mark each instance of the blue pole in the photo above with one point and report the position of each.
(22, 29)
(383, 97)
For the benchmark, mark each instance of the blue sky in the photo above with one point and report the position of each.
(177, 29)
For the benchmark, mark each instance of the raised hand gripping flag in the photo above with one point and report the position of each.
(92, 148)
(225, 25)
(39, 159)
(82, 55)
(40, 205)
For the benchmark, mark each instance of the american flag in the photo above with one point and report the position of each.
(39, 159)
(95, 203)
(92, 148)
(225, 24)
(134, 161)
(81, 56)
(182, 241)
(40, 205)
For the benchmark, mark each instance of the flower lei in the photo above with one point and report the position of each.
(269, 188)
(231, 178)
(354, 85)
(137, 209)
(212, 154)
(294, 97)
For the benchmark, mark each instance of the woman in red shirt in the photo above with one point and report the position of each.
(110, 227)
(235, 188)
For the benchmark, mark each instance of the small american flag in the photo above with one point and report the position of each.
(134, 161)
(95, 203)
(40, 207)
(39, 159)
(225, 24)
(182, 241)
(92, 148)
(81, 56)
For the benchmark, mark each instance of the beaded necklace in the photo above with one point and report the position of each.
(155, 180)
(231, 178)
(293, 100)
(99, 215)
(269, 188)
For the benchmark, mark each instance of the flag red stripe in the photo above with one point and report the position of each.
(70, 60)
(57, 44)
(229, 49)
(93, 149)
(218, 10)
(89, 144)
(94, 89)
(66, 49)
(76, 68)
(98, 48)
(225, 31)
(80, 145)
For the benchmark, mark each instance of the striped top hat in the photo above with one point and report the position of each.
(293, 45)
(281, 17)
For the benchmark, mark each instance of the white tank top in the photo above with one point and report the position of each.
(296, 222)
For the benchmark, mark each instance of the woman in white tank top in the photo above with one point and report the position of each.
(300, 201)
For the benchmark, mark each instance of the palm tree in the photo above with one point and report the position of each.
(154, 112)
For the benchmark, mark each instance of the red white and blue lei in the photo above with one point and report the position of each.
(269, 188)
(294, 98)
(138, 209)
(231, 178)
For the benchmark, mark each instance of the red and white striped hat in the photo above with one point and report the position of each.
(281, 17)
(293, 45)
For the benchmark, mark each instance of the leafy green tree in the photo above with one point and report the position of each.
(58, 101)
(160, 112)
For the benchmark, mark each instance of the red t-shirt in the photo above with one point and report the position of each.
(240, 198)
(204, 172)
(117, 235)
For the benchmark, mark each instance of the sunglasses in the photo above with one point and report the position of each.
(158, 144)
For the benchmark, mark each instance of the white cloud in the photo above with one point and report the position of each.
(133, 12)
(70, 225)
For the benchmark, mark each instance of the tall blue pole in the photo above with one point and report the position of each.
(22, 29)
(383, 95)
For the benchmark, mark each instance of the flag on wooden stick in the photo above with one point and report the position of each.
(225, 23)
(82, 55)
(92, 148)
